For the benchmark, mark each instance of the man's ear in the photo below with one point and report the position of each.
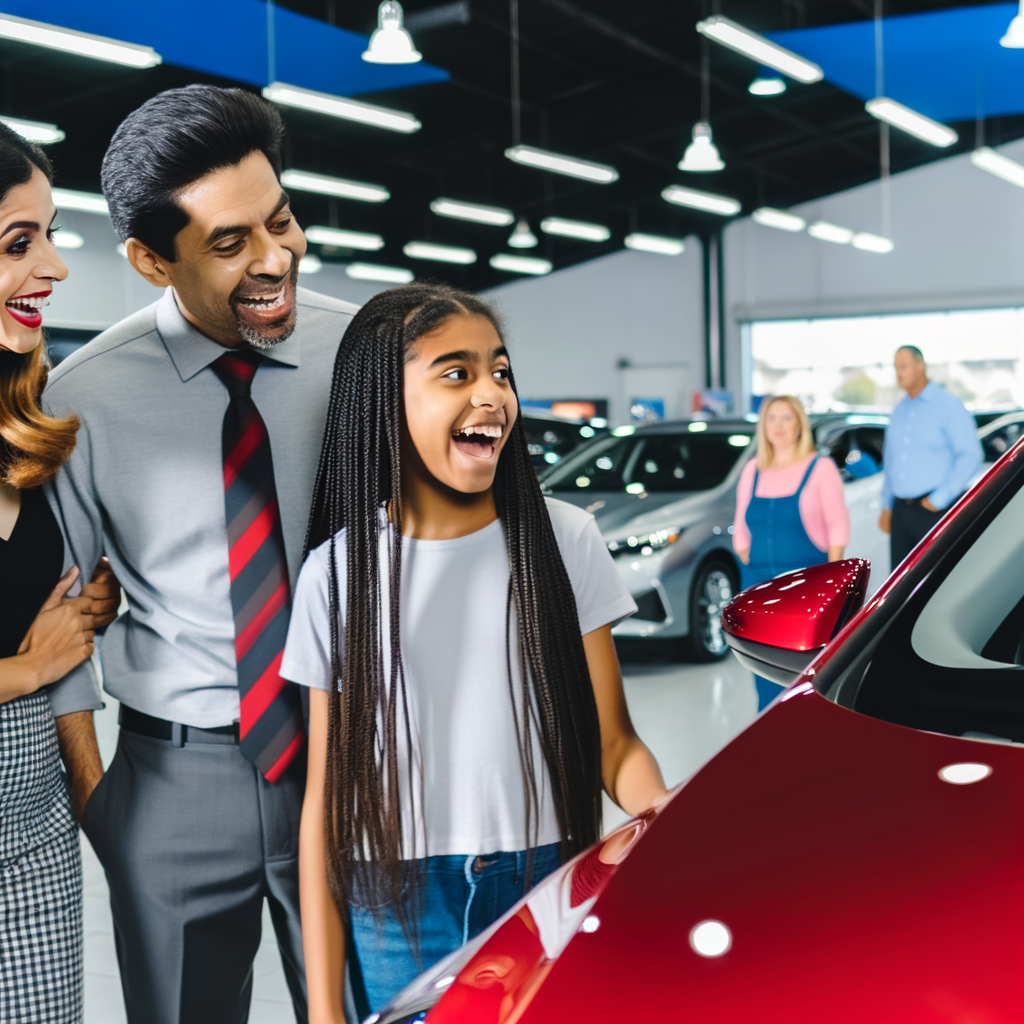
(150, 265)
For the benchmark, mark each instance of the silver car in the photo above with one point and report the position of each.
(664, 496)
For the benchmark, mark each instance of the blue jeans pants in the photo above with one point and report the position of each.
(458, 898)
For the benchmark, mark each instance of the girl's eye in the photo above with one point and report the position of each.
(19, 246)
(501, 373)
(457, 374)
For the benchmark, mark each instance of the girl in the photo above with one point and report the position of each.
(466, 703)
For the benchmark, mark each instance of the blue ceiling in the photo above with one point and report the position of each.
(946, 64)
(228, 38)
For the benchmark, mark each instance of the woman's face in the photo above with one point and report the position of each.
(459, 404)
(781, 425)
(29, 264)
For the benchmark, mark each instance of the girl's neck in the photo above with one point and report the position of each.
(431, 511)
(782, 458)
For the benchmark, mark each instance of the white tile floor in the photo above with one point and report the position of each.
(685, 713)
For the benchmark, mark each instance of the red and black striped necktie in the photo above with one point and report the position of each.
(271, 724)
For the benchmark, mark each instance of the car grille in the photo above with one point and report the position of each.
(650, 607)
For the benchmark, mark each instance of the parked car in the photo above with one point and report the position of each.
(1000, 434)
(664, 495)
(551, 437)
(857, 854)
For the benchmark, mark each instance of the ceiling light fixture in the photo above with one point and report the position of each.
(86, 202)
(390, 42)
(83, 44)
(910, 121)
(310, 264)
(530, 156)
(1014, 38)
(580, 229)
(768, 217)
(339, 106)
(654, 243)
(34, 131)
(764, 51)
(343, 239)
(439, 253)
(680, 195)
(520, 264)
(1001, 166)
(377, 272)
(872, 243)
(495, 215)
(65, 239)
(767, 85)
(307, 181)
(701, 154)
(827, 232)
(522, 237)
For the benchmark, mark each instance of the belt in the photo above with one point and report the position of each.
(912, 501)
(178, 734)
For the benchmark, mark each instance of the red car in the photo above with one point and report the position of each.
(855, 856)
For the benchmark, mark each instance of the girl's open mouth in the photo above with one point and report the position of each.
(480, 441)
(28, 309)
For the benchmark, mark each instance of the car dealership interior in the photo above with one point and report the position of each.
(729, 245)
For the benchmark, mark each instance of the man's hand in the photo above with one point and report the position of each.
(885, 520)
(105, 592)
(925, 503)
(77, 739)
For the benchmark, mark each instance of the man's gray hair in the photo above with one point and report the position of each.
(916, 354)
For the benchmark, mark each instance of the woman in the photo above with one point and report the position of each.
(43, 635)
(790, 507)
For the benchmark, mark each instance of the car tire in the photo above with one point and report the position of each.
(715, 584)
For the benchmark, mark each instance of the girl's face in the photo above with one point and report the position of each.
(29, 263)
(781, 425)
(459, 404)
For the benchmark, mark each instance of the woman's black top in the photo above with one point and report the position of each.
(31, 560)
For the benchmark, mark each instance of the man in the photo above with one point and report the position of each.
(202, 418)
(931, 453)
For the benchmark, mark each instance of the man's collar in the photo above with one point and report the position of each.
(190, 349)
(925, 392)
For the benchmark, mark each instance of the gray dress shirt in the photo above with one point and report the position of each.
(145, 487)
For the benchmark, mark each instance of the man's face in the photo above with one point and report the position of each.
(910, 373)
(238, 258)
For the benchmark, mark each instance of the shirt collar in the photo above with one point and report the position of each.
(191, 351)
(926, 392)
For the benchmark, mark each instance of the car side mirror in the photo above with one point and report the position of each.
(777, 628)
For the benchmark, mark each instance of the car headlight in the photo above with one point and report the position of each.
(645, 543)
(506, 957)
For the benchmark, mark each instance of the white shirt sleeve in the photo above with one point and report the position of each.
(307, 652)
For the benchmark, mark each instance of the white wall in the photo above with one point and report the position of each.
(959, 244)
(568, 331)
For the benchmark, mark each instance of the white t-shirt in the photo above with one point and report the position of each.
(468, 795)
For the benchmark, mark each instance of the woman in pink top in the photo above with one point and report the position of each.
(790, 507)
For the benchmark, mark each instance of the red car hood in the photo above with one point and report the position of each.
(857, 885)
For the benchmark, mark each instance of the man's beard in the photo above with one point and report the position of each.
(267, 335)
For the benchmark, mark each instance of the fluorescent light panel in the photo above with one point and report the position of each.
(580, 229)
(377, 272)
(65, 239)
(709, 202)
(530, 156)
(339, 106)
(310, 264)
(439, 253)
(1001, 166)
(767, 86)
(771, 218)
(34, 131)
(496, 215)
(827, 232)
(520, 264)
(325, 185)
(654, 243)
(82, 44)
(343, 239)
(910, 121)
(764, 51)
(86, 202)
(872, 243)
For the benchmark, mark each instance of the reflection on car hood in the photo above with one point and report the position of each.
(615, 511)
(856, 885)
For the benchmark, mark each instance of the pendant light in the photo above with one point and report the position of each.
(390, 43)
(1014, 38)
(701, 155)
(522, 237)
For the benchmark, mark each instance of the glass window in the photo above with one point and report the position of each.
(1001, 440)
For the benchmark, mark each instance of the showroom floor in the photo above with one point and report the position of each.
(685, 713)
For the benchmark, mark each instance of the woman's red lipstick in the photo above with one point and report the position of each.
(27, 309)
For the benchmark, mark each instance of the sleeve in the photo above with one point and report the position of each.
(307, 651)
(887, 496)
(72, 497)
(828, 489)
(962, 434)
(602, 598)
(744, 492)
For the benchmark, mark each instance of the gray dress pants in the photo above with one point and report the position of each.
(192, 839)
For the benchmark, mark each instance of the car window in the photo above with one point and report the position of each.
(871, 441)
(837, 445)
(652, 463)
(1001, 440)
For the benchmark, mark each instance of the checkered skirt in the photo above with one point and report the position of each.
(40, 873)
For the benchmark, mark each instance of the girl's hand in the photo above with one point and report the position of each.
(744, 556)
(105, 592)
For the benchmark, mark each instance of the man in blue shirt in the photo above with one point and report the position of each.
(931, 453)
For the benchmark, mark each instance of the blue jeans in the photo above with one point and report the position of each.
(767, 691)
(458, 898)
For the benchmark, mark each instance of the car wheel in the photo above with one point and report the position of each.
(716, 583)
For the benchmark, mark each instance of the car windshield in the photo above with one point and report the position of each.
(654, 463)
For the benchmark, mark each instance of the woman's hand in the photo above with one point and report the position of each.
(744, 556)
(105, 592)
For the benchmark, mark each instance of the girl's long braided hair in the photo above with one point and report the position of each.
(359, 474)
